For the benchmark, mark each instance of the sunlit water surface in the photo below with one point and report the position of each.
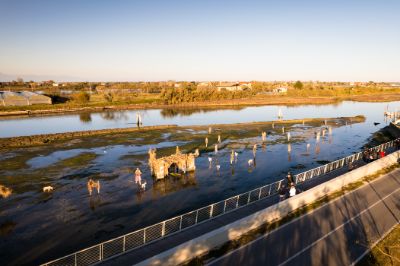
(35, 227)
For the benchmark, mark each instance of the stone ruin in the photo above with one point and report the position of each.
(161, 167)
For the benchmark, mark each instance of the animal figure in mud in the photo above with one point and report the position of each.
(142, 185)
(48, 189)
(93, 185)
(5, 192)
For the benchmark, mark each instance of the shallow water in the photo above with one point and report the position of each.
(23, 126)
(36, 227)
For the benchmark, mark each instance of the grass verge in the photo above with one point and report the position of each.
(386, 252)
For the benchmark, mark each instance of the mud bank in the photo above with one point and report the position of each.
(49, 138)
(25, 141)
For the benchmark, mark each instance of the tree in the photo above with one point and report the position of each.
(298, 85)
(82, 97)
(108, 96)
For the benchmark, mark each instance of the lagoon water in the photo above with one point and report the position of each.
(23, 126)
(68, 219)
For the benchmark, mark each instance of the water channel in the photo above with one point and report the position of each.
(69, 219)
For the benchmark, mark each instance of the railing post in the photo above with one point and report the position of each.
(101, 252)
(76, 260)
(180, 224)
(248, 198)
(280, 183)
(144, 236)
(259, 194)
(123, 247)
(163, 229)
(197, 215)
(211, 210)
(224, 206)
(269, 191)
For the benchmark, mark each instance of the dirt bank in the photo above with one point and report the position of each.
(260, 100)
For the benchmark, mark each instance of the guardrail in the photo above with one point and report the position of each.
(144, 236)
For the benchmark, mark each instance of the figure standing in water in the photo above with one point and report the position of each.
(219, 139)
(138, 176)
(206, 141)
(138, 119)
(254, 150)
(264, 136)
(232, 157)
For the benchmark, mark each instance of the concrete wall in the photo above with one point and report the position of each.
(204, 243)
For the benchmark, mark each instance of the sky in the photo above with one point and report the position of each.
(150, 40)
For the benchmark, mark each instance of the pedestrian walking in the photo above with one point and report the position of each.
(292, 190)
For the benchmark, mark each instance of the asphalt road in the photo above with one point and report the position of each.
(337, 233)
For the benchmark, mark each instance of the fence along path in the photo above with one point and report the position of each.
(144, 236)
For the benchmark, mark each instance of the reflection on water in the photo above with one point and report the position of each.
(115, 115)
(94, 201)
(189, 116)
(85, 117)
(173, 112)
(7, 227)
(173, 183)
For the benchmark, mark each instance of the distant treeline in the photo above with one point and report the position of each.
(190, 93)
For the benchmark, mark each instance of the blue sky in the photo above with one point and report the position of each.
(354, 40)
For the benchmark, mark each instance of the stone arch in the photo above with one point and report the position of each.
(182, 162)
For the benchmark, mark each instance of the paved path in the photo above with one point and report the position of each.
(152, 249)
(337, 233)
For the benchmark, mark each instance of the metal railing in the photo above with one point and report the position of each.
(144, 236)
(302, 177)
